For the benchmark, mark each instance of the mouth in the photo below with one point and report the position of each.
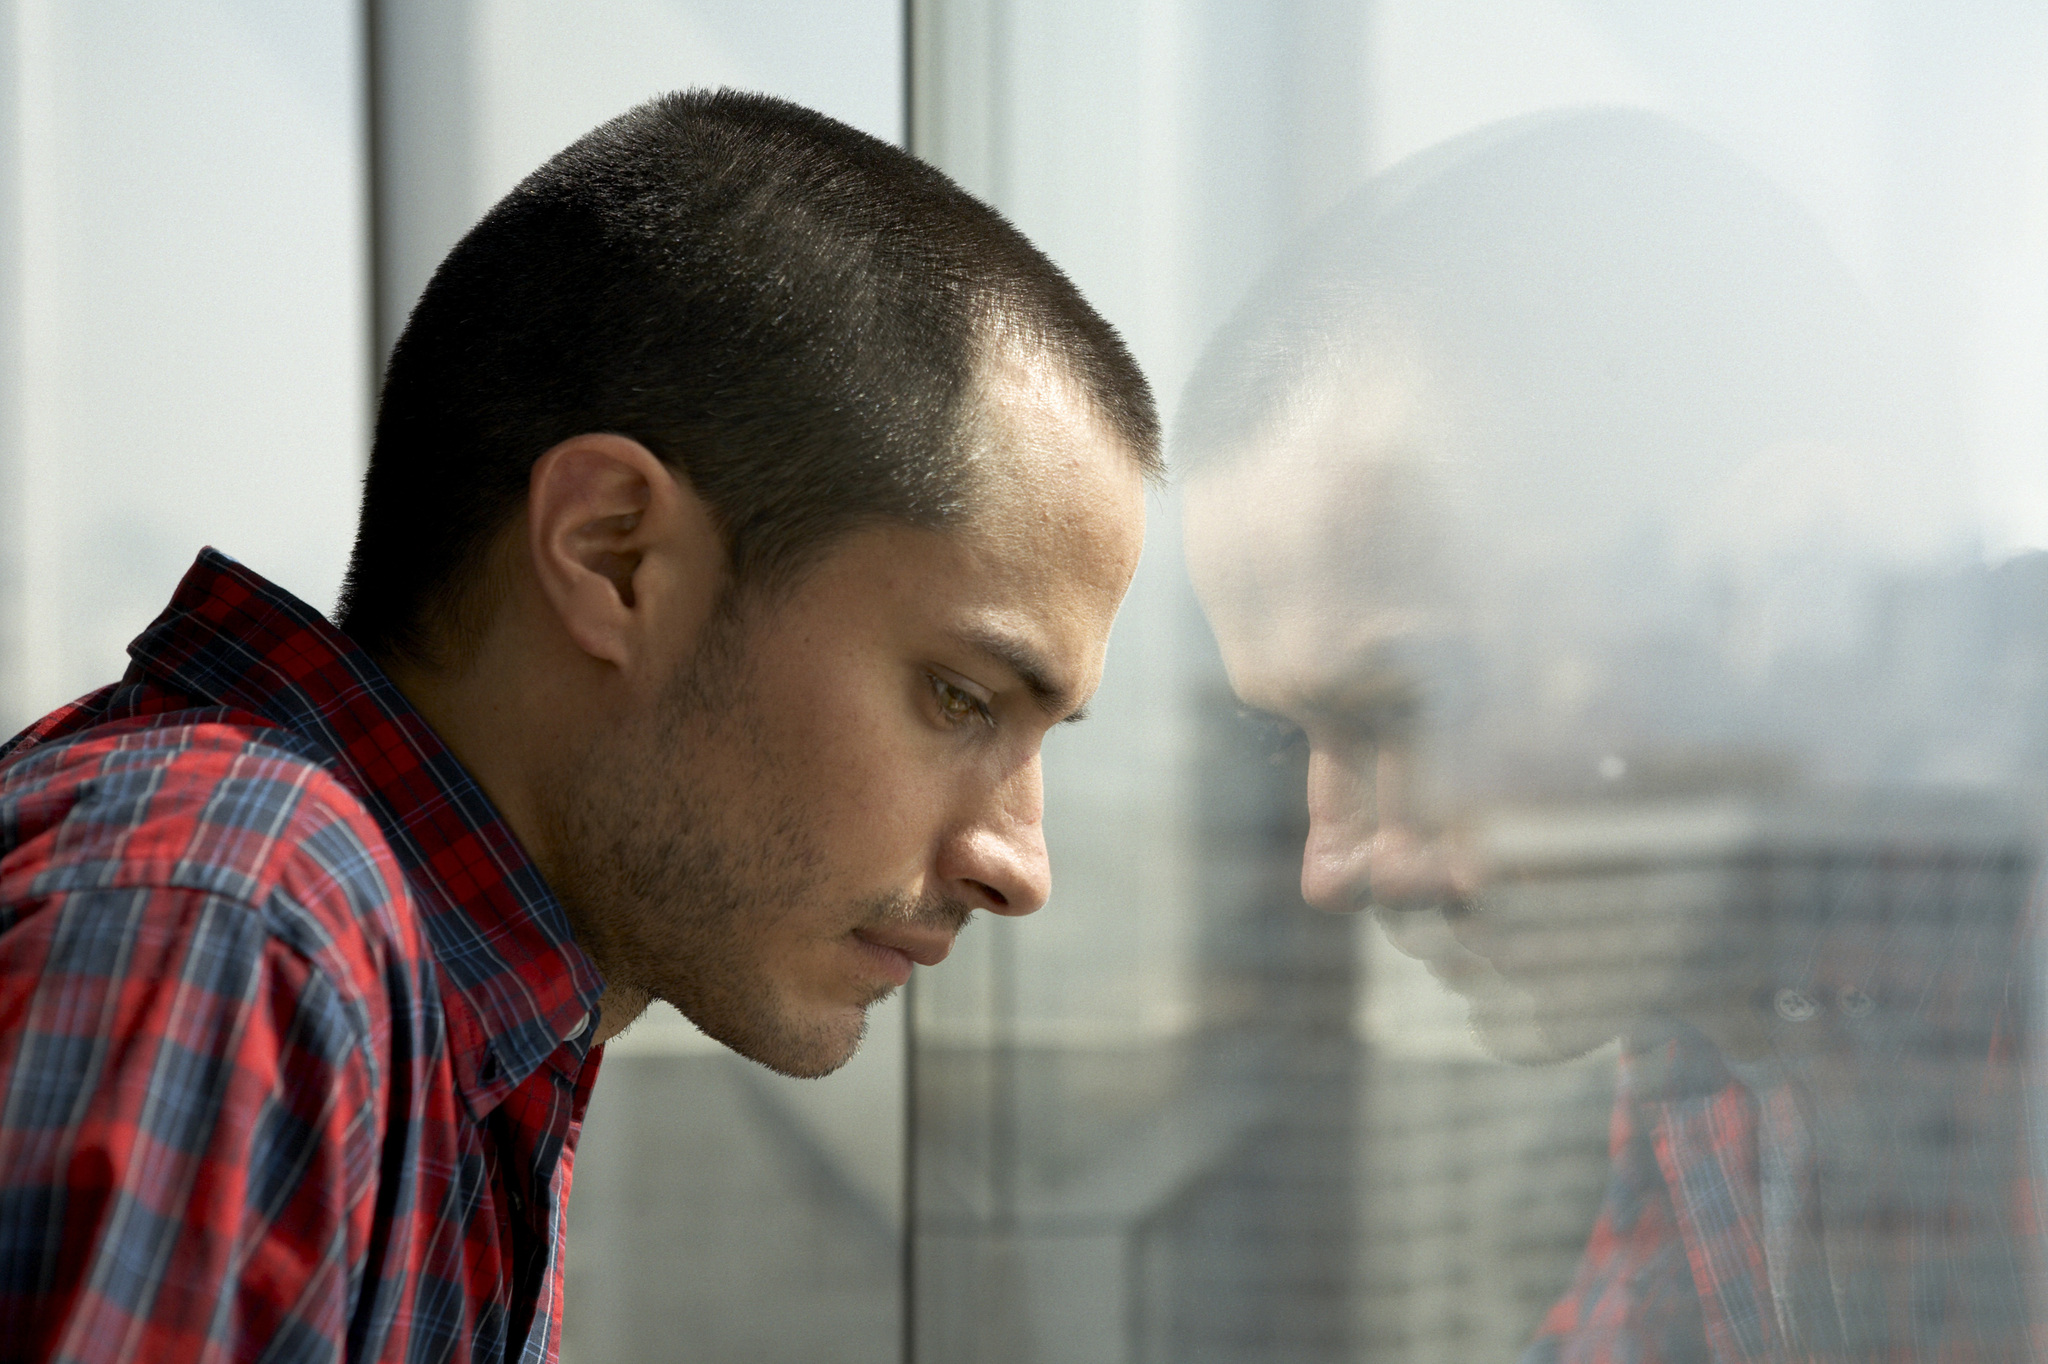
(894, 950)
(1434, 940)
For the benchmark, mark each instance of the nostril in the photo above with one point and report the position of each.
(1455, 906)
(997, 900)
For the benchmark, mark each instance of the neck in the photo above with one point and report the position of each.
(482, 725)
(501, 721)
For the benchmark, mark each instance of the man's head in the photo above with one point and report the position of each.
(1526, 485)
(747, 501)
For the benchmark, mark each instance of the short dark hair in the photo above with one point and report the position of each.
(788, 311)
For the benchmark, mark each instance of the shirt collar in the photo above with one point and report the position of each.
(1666, 1058)
(513, 981)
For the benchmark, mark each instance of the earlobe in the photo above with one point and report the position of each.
(624, 551)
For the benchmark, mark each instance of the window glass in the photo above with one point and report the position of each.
(1602, 575)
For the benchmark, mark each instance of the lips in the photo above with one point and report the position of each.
(1435, 941)
(925, 947)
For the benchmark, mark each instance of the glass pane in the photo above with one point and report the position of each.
(752, 1216)
(1604, 569)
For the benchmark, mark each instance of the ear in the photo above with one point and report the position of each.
(625, 552)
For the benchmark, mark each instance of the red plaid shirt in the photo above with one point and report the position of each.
(1864, 1196)
(294, 1040)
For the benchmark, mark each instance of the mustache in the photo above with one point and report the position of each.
(933, 910)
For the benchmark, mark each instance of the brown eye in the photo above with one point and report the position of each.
(959, 706)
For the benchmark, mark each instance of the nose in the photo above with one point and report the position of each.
(997, 860)
(1336, 863)
(1362, 847)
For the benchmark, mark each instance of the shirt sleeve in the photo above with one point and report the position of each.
(189, 1130)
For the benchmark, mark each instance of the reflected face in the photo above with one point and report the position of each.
(1330, 573)
(842, 774)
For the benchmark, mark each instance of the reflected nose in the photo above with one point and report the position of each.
(1362, 849)
(1336, 862)
(999, 861)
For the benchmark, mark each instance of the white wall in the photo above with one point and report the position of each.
(182, 344)
(479, 92)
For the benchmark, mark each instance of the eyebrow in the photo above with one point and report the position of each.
(1032, 668)
(1363, 676)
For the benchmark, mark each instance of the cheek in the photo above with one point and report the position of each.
(868, 779)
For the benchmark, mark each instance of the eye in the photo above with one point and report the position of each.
(1386, 720)
(957, 705)
(1282, 743)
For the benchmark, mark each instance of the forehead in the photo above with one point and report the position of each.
(1322, 557)
(1058, 495)
(1050, 541)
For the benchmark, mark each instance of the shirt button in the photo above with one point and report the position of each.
(582, 1026)
(1855, 1003)
(1794, 1006)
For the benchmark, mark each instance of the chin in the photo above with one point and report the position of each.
(806, 1065)
(1511, 1026)
(802, 1049)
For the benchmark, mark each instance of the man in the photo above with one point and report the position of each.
(1558, 497)
(747, 502)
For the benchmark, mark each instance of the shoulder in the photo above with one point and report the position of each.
(211, 802)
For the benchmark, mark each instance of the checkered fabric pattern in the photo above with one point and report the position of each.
(1861, 1196)
(294, 1040)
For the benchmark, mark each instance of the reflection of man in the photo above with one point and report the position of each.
(1547, 495)
(747, 502)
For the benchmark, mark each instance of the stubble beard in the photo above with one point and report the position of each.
(1511, 1026)
(675, 888)
(1507, 1020)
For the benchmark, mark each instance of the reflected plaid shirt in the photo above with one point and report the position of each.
(294, 1043)
(1765, 1212)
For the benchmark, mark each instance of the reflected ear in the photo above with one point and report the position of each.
(625, 552)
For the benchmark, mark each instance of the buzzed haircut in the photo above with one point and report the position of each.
(788, 312)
